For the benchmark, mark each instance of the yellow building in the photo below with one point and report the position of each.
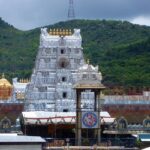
(5, 88)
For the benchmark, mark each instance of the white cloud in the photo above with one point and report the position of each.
(141, 20)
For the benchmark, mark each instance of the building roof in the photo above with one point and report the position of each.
(89, 84)
(13, 138)
(42, 117)
(19, 86)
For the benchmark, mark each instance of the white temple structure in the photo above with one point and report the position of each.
(59, 65)
(19, 89)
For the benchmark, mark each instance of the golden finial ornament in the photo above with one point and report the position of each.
(70, 32)
(54, 32)
(57, 31)
(88, 61)
(63, 32)
(67, 32)
(60, 32)
(3, 75)
(50, 31)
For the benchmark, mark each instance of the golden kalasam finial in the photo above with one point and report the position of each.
(88, 61)
(54, 32)
(60, 32)
(64, 32)
(57, 31)
(3, 75)
(67, 32)
(70, 32)
(50, 31)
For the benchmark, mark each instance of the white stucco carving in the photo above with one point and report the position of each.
(52, 80)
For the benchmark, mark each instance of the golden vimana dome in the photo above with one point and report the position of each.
(5, 88)
(4, 82)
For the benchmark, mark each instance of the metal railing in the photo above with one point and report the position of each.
(126, 142)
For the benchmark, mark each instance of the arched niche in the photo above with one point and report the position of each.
(122, 123)
(146, 123)
(63, 63)
(5, 124)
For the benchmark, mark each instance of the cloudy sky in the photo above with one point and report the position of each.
(28, 14)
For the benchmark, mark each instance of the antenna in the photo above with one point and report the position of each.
(71, 13)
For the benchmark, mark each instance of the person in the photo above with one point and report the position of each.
(94, 147)
(109, 143)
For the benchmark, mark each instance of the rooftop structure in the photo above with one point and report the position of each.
(14, 138)
(14, 142)
(19, 89)
(44, 118)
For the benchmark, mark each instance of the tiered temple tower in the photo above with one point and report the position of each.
(59, 65)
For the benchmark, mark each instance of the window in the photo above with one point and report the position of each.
(84, 76)
(62, 51)
(45, 74)
(64, 95)
(94, 76)
(54, 50)
(47, 51)
(65, 110)
(64, 79)
(47, 60)
(42, 89)
(77, 51)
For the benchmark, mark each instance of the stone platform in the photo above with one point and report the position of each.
(90, 148)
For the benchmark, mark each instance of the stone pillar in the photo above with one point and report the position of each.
(78, 118)
(99, 119)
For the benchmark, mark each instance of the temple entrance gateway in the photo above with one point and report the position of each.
(89, 118)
